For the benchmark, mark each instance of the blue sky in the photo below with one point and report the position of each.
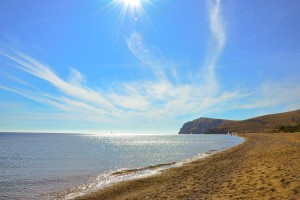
(145, 66)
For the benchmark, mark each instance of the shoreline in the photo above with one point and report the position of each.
(125, 175)
(228, 174)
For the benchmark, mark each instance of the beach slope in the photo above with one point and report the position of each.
(266, 166)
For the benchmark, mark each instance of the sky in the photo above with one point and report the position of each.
(145, 66)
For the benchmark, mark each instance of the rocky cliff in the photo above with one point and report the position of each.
(201, 125)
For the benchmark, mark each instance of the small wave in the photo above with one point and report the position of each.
(108, 178)
(151, 167)
(189, 160)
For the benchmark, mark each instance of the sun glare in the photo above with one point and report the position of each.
(132, 3)
(132, 8)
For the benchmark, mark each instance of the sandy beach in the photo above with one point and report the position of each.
(265, 166)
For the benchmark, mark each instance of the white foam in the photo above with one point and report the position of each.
(188, 160)
(106, 179)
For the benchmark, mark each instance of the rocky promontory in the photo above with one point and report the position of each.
(201, 125)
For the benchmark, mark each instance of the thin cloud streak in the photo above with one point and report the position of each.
(270, 94)
(39, 70)
(217, 43)
(217, 26)
(148, 57)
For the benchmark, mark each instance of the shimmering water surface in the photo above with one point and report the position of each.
(54, 166)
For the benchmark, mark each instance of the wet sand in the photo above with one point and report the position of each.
(266, 166)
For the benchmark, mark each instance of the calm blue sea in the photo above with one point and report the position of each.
(63, 166)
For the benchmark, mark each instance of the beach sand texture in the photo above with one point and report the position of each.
(266, 166)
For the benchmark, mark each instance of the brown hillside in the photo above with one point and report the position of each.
(266, 123)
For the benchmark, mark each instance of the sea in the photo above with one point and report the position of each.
(65, 166)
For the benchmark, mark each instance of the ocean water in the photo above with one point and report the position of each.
(63, 166)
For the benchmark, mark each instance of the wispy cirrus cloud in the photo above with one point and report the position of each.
(36, 68)
(217, 25)
(159, 98)
(170, 96)
(217, 43)
(76, 77)
(151, 58)
(285, 93)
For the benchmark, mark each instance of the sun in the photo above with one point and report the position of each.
(132, 8)
(132, 3)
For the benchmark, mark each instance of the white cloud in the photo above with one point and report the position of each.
(217, 25)
(157, 100)
(76, 77)
(160, 98)
(284, 93)
(217, 43)
(42, 71)
(150, 58)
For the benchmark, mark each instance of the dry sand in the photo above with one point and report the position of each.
(266, 166)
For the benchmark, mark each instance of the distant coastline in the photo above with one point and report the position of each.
(279, 122)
